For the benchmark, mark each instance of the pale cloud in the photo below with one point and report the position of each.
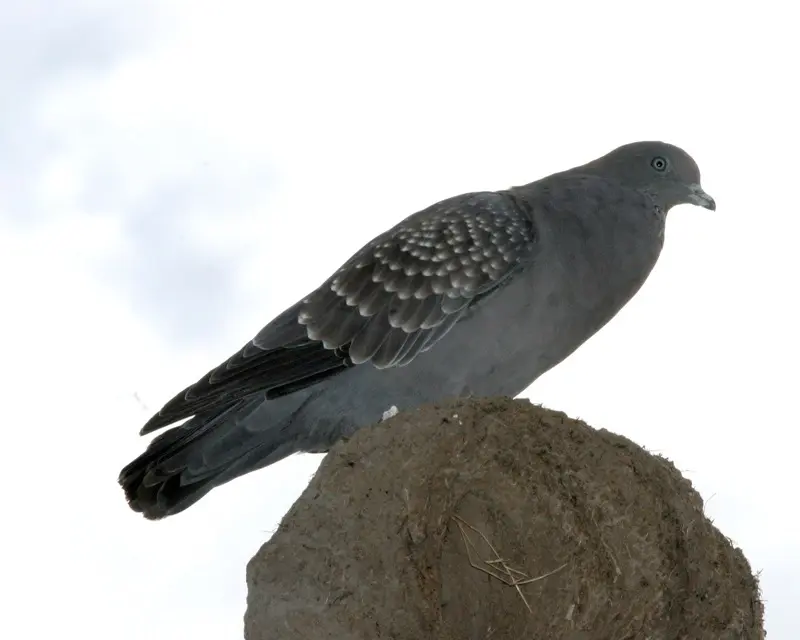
(174, 174)
(43, 47)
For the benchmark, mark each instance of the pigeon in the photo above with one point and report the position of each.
(475, 296)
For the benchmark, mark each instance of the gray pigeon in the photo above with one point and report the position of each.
(477, 295)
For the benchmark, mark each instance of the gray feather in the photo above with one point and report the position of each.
(478, 294)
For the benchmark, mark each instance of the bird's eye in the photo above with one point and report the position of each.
(659, 164)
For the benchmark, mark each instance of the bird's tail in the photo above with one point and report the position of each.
(183, 464)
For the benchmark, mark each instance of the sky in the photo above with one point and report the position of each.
(173, 174)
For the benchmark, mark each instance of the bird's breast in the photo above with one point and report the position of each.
(585, 271)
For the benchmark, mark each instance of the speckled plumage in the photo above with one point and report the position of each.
(478, 294)
(402, 293)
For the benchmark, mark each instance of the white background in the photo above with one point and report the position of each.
(173, 175)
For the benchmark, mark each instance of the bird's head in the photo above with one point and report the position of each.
(665, 172)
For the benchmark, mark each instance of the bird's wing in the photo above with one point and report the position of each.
(394, 299)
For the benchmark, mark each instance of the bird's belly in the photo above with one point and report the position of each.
(500, 348)
(515, 338)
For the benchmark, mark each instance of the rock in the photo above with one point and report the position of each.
(419, 527)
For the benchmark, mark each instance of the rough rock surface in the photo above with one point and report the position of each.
(401, 528)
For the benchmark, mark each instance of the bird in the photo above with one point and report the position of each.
(474, 296)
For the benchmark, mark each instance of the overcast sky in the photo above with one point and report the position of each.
(174, 174)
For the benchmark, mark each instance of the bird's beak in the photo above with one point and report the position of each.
(701, 198)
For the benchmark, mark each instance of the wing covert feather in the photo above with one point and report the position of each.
(394, 299)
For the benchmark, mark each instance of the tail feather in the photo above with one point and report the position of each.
(152, 482)
(183, 464)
